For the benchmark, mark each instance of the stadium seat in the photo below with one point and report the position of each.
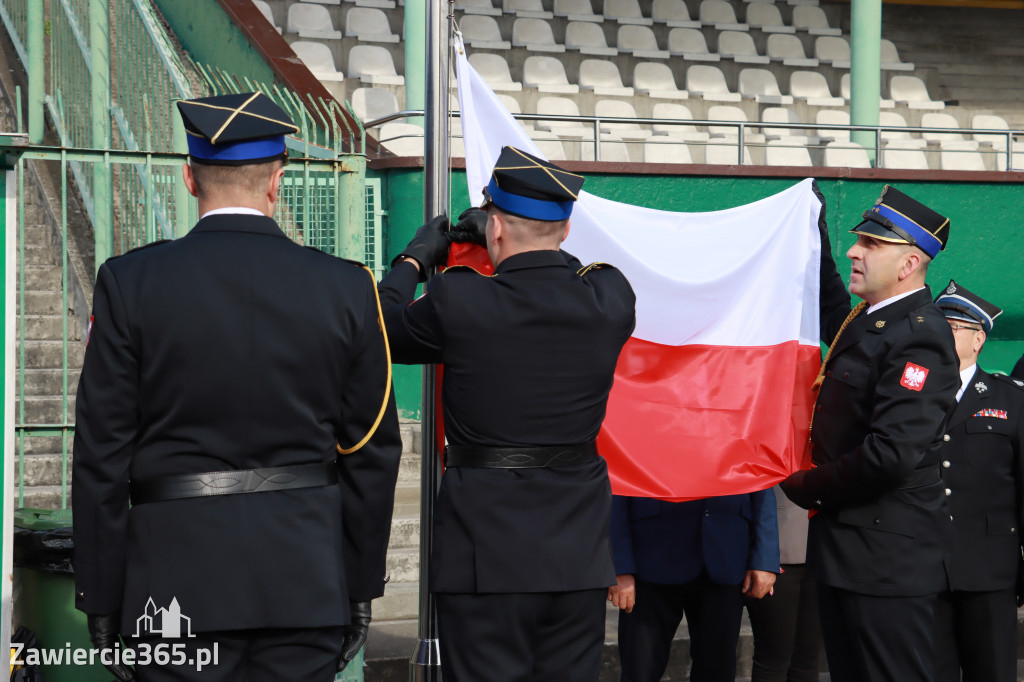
(785, 153)
(547, 75)
(739, 46)
(761, 86)
(934, 119)
(812, 88)
(891, 119)
(1017, 162)
(800, 2)
(494, 69)
(709, 83)
(958, 156)
(891, 59)
(378, 4)
(689, 43)
(766, 17)
(612, 149)
(667, 150)
(265, 10)
(640, 42)
(562, 106)
(844, 90)
(311, 21)
(911, 91)
(846, 155)
(369, 25)
(602, 76)
(789, 50)
(613, 108)
(833, 117)
(813, 20)
(676, 112)
(724, 152)
(373, 103)
(482, 32)
(657, 81)
(990, 122)
(551, 149)
(721, 15)
(896, 155)
(576, 10)
(535, 35)
(786, 115)
(326, 2)
(485, 7)
(319, 59)
(728, 113)
(833, 50)
(372, 64)
(587, 38)
(527, 9)
(626, 12)
(402, 139)
(673, 13)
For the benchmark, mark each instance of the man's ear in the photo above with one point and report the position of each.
(190, 180)
(565, 232)
(274, 185)
(911, 264)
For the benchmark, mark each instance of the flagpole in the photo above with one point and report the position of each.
(425, 663)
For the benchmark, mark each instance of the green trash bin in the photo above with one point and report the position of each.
(44, 589)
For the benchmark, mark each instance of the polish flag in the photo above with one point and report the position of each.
(712, 393)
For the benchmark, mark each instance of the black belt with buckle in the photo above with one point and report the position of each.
(235, 482)
(528, 457)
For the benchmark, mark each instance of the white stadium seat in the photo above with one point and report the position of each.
(657, 81)
(766, 17)
(551, 149)
(612, 149)
(724, 152)
(789, 50)
(626, 12)
(896, 155)
(547, 74)
(367, 24)
(265, 10)
(785, 153)
(956, 156)
(619, 109)
(760, 84)
(935, 119)
(891, 118)
(373, 103)
(640, 42)
(912, 92)
(562, 106)
(689, 43)
(319, 59)
(485, 7)
(813, 20)
(602, 76)
(721, 15)
(786, 115)
(664, 149)
(494, 69)
(527, 9)
(812, 88)
(587, 38)
(739, 46)
(576, 10)
(729, 113)
(846, 155)
(535, 35)
(834, 50)
(990, 122)
(311, 21)
(709, 83)
(676, 112)
(673, 13)
(844, 90)
(836, 118)
(891, 59)
(482, 32)
(379, 4)
(402, 139)
(372, 64)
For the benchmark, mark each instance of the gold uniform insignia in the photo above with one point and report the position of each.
(880, 324)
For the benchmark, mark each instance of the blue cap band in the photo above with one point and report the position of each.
(526, 207)
(967, 308)
(250, 150)
(926, 241)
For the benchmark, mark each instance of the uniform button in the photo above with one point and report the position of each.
(877, 521)
(81, 595)
(950, 517)
(946, 438)
(945, 464)
(1013, 530)
(948, 492)
(707, 513)
(817, 503)
(989, 427)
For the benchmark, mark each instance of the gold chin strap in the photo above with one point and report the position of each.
(387, 386)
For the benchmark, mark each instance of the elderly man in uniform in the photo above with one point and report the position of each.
(880, 529)
(521, 561)
(983, 471)
(237, 392)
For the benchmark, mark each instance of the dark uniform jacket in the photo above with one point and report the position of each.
(529, 355)
(232, 348)
(890, 385)
(671, 543)
(983, 472)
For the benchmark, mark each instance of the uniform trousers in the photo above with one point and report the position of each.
(877, 639)
(521, 637)
(976, 632)
(787, 629)
(713, 613)
(260, 655)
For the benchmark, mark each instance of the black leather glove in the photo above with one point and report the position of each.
(429, 247)
(355, 633)
(104, 636)
(471, 227)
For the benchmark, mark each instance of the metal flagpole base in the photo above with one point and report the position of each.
(425, 665)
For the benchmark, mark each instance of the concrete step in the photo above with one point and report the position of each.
(403, 564)
(41, 255)
(42, 277)
(42, 470)
(46, 445)
(42, 302)
(400, 602)
(48, 327)
(405, 532)
(410, 431)
(50, 354)
(46, 409)
(409, 472)
(50, 382)
(42, 497)
(407, 502)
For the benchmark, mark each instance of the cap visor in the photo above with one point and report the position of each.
(878, 231)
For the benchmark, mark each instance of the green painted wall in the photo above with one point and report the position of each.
(982, 254)
(210, 37)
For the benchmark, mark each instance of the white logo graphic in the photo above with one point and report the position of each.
(980, 387)
(914, 376)
(164, 622)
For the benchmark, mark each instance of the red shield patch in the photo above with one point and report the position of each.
(914, 376)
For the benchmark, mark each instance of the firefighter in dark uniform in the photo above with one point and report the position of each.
(880, 529)
(983, 472)
(226, 373)
(521, 562)
(1018, 369)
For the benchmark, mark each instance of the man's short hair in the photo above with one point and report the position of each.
(251, 178)
(528, 229)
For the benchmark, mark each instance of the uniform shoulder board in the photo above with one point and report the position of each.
(150, 245)
(463, 268)
(1013, 381)
(595, 266)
